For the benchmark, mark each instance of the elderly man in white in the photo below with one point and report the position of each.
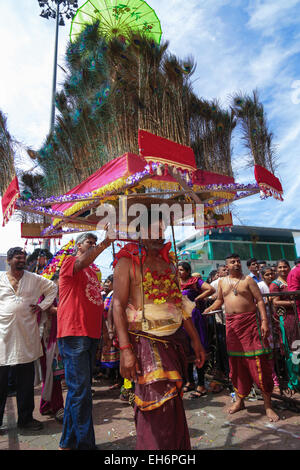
(20, 343)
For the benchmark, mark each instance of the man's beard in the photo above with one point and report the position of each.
(19, 267)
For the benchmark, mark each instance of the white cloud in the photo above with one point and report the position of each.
(268, 16)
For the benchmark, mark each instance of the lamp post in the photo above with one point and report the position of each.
(59, 10)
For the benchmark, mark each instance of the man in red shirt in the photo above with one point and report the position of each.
(79, 323)
(293, 281)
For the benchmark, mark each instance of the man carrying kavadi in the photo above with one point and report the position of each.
(148, 314)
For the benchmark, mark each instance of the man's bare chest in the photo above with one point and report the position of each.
(235, 287)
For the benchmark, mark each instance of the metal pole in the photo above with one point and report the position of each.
(46, 243)
(54, 70)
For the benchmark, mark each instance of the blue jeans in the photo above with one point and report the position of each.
(78, 353)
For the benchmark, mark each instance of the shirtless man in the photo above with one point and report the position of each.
(151, 345)
(246, 343)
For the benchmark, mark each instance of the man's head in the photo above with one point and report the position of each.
(262, 264)
(253, 266)
(16, 258)
(222, 270)
(233, 263)
(154, 231)
(84, 242)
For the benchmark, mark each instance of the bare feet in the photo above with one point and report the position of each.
(273, 417)
(238, 406)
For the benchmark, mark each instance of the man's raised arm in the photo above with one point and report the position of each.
(87, 258)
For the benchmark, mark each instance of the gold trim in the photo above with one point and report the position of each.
(159, 374)
(152, 405)
(168, 162)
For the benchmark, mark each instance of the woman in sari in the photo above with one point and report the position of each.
(264, 287)
(284, 303)
(196, 290)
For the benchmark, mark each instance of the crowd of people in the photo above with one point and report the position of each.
(151, 328)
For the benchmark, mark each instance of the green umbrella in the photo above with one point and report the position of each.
(118, 19)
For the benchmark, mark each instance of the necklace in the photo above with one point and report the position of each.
(234, 286)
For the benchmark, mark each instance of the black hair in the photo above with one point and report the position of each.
(38, 252)
(55, 276)
(233, 255)
(265, 269)
(17, 250)
(221, 266)
(282, 261)
(110, 278)
(211, 276)
(251, 260)
(186, 266)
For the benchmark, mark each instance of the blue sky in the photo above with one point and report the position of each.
(238, 45)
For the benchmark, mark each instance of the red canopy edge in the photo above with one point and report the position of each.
(9, 200)
(158, 149)
(269, 183)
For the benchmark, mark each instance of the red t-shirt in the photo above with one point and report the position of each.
(293, 281)
(80, 306)
(293, 278)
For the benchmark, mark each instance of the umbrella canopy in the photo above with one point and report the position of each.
(118, 19)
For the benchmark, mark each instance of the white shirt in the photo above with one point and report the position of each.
(219, 317)
(263, 287)
(19, 333)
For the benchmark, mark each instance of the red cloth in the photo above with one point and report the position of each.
(290, 323)
(159, 149)
(163, 429)
(124, 166)
(203, 178)
(80, 307)
(192, 280)
(293, 278)
(266, 178)
(293, 281)
(249, 357)
(131, 250)
(244, 371)
(159, 412)
(243, 336)
(9, 199)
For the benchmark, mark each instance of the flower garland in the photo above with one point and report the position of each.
(56, 262)
(160, 287)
